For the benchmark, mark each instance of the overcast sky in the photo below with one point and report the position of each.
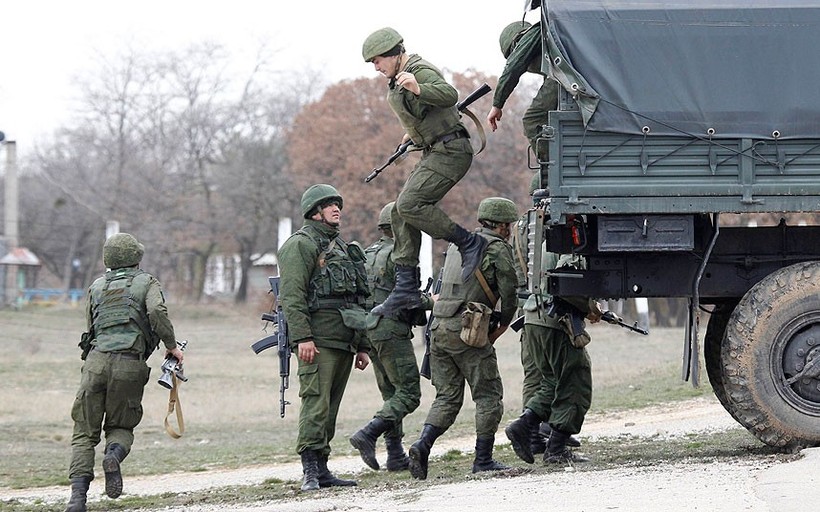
(46, 44)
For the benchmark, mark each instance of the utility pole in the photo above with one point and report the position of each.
(11, 209)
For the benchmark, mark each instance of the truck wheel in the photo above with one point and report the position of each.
(773, 333)
(715, 329)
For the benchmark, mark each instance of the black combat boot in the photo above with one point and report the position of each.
(397, 460)
(365, 440)
(471, 246)
(405, 295)
(557, 450)
(538, 443)
(518, 432)
(328, 479)
(420, 451)
(114, 454)
(310, 470)
(484, 455)
(545, 431)
(79, 491)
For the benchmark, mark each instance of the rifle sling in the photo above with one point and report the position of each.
(174, 405)
(479, 128)
(486, 287)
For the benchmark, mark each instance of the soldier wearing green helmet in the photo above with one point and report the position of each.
(520, 44)
(126, 318)
(392, 355)
(425, 105)
(323, 291)
(458, 357)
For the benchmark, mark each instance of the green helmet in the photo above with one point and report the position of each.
(122, 250)
(315, 195)
(497, 209)
(510, 34)
(379, 42)
(384, 215)
(535, 183)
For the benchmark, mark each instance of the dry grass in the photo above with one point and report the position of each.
(231, 401)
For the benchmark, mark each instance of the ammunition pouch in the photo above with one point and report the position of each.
(475, 324)
(573, 326)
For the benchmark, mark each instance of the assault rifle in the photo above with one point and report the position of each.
(577, 319)
(402, 149)
(611, 318)
(424, 371)
(280, 340)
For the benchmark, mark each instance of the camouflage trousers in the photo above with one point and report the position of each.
(532, 376)
(109, 400)
(416, 209)
(454, 364)
(396, 370)
(565, 393)
(537, 114)
(322, 384)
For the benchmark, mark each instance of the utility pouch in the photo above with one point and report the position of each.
(475, 324)
(574, 328)
(355, 319)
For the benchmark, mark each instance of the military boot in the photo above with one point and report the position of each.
(79, 491)
(328, 479)
(397, 460)
(484, 455)
(365, 440)
(405, 295)
(420, 451)
(545, 431)
(310, 470)
(471, 246)
(519, 434)
(114, 454)
(557, 450)
(538, 443)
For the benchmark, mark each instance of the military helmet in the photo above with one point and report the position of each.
(497, 209)
(379, 42)
(122, 250)
(384, 215)
(535, 183)
(315, 195)
(510, 34)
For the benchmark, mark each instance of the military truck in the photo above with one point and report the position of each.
(680, 125)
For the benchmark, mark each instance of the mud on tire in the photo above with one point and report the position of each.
(772, 332)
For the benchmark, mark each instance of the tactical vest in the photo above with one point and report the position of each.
(381, 275)
(429, 123)
(455, 294)
(339, 278)
(119, 317)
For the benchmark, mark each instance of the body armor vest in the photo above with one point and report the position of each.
(455, 294)
(381, 275)
(340, 278)
(423, 123)
(119, 318)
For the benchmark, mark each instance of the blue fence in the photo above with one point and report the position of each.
(51, 294)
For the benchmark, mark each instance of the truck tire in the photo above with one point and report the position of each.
(712, 341)
(772, 334)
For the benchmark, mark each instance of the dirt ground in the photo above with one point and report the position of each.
(682, 486)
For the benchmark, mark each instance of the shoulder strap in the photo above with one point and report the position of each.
(485, 286)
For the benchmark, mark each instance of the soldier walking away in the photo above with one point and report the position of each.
(392, 356)
(323, 291)
(126, 318)
(465, 327)
(554, 339)
(425, 105)
(521, 45)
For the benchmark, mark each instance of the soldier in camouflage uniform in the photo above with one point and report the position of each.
(425, 105)
(521, 46)
(323, 289)
(126, 318)
(452, 361)
(392, 355)
(564, 394)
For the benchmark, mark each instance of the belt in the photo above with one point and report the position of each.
(121, 355)
(452, 136)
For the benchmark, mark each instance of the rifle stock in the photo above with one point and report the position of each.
(425, 371)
